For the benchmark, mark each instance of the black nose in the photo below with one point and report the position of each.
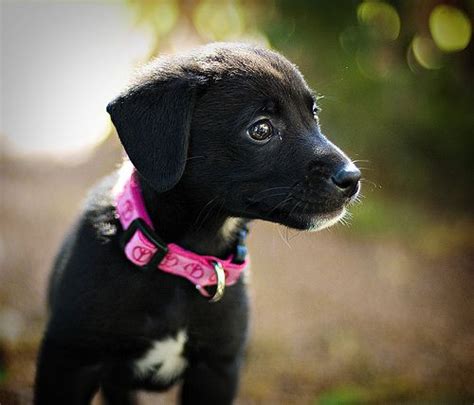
(347, 178)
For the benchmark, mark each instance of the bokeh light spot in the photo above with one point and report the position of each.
(219, 20)
(426, 53)
(161, 15)
(349, 39)
(375, 64)
(450, 28)
(381, 18)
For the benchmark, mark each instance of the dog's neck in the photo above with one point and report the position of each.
(201, 228)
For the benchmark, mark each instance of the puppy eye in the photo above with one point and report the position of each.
(316, 111)
(261, 130)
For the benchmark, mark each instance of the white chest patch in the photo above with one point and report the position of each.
(164, 360)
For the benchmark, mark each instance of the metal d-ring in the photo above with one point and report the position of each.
(220, 287)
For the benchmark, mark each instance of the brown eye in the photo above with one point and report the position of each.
(261, 130)
(316, 111)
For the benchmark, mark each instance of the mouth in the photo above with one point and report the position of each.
(296, 208)
(297, 214)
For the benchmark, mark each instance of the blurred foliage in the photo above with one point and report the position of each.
(354, 394)
(413, 124)
(385, 392)
(396, 80)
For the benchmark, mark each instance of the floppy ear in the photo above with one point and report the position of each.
(153, 123)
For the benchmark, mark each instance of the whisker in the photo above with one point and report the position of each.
(262, 198)
(288, 215)
(203, 209)
(370, 183)
(346, 219)
(358, 199)
(295, 235)
(281, 203)
(270, 189)
(282, 238)
(220, 207)
(195, 157)
(294, 207)
(269, 196)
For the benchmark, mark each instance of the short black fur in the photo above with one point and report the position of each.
(184, 125)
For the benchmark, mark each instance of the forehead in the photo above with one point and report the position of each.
(255, 76)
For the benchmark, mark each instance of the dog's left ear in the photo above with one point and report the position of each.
(153, 121)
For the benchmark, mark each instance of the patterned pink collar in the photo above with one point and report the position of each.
(145, 249)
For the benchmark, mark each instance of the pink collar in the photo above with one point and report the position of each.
(144, 248)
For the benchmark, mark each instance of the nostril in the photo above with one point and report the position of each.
(347, 177)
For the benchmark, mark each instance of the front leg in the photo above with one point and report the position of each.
(65, 376)
(115, 385)
(211, 382)
(114, 394)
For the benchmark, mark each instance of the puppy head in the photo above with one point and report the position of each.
(236, 123)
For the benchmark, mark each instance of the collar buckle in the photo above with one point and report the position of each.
(220, 286)
(138, 224)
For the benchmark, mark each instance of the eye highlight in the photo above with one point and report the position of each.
(261, 130)
(316, 110)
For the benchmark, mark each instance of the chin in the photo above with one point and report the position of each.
(312, 222)
(324, 221)
(303, 221)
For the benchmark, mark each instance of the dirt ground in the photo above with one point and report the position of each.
(336, 318)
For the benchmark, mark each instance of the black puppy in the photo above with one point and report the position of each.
(218, 137)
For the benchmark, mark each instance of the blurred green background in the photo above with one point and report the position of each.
(379, 311)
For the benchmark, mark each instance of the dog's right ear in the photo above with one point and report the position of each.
(153, 121)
